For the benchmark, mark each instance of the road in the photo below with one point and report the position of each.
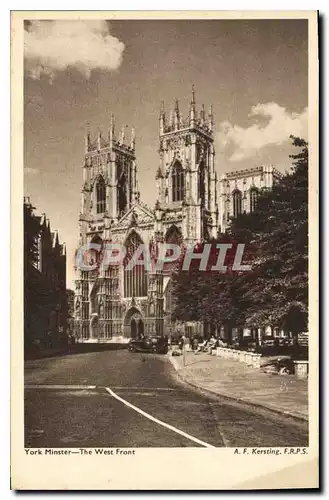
(115, 398)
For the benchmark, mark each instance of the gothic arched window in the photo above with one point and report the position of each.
(94, 254)
(100, 196)
(135, 280)
(122, 193)
(174, 235)
(253, 199)
(237, 203)
(201, 182)
(178, 182)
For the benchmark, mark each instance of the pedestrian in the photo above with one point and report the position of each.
(211, 344)
(202, 347)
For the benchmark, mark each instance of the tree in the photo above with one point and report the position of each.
(208, 296)
(277, 289)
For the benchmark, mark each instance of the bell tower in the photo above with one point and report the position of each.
(109, 182)
(186, 177)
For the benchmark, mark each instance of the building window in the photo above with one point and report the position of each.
(253, 199)
(174, 235)
(178, 182)
(276, 331)
(237, 203)
(122, 194)
(85, 331)
(100, 196)
(85, 310)
(135, 280)
(201, 183)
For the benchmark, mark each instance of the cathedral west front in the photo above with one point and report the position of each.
(114, 304)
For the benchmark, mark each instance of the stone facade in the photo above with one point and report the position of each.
(112, 305)
(239, 190)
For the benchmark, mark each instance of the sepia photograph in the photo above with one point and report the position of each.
(166, 235)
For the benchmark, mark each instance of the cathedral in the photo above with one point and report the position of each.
(114, 304)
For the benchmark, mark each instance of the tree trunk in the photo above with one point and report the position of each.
(294, 338)
(240, 336)
(228, 333)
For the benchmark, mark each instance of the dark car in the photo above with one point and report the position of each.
(283, 365)
(149, 344)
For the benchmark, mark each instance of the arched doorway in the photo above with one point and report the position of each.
(140, 328)
(133, 323)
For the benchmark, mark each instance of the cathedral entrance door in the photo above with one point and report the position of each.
(133, 323)
(133, 329)
(140, 328)
(94, 333)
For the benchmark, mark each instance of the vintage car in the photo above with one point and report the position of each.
(149, 344)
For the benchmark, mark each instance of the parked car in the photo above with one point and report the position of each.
(283, 365)
(149, 344)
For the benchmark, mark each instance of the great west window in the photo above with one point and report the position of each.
(135, 280)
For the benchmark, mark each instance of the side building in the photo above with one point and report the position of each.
(239, 190)
(45, 299)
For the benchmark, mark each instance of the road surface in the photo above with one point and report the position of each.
(118, 399)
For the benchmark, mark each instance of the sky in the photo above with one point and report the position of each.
(76, 73)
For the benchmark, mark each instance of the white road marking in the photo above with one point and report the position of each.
(61, 387)
(127, 388)
(157, 421)
(79, 387)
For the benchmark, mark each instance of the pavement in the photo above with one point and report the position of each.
(115, 398)
(232, 379)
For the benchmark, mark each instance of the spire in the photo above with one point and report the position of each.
(202, 115)
(210, 118)
(132, 140)
(192, 109)
(87, 138)
(162, 118)
(159, 173)
(111, 129)
(99, 140)
(123, 134)
(172, 118)
(176, 115)
(162, 111)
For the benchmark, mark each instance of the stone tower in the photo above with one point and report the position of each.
(186, 178)
(109, 183)
(108, 194)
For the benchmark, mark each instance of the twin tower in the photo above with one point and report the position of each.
(185, 178)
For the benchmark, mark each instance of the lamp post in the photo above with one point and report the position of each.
(184, 350)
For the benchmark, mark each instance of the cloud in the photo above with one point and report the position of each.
(31, 171)
(53, 46)
(275, 125)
